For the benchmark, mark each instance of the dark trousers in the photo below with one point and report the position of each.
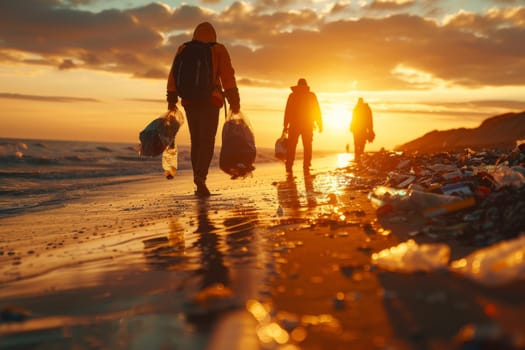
(203, 120)
(293, 138)
(359, 144)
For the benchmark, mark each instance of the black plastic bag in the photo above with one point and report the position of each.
(238, 147)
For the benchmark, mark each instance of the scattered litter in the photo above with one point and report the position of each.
(486, 336)
(494, 265)
(339, 301)
(410, 256)
(476, 197)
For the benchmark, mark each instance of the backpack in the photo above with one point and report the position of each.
(193, 71)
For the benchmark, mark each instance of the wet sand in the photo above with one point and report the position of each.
(266, 262)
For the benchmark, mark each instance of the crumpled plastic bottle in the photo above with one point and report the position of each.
(387, 199)
(170, 161)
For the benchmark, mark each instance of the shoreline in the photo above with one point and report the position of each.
(147, 265)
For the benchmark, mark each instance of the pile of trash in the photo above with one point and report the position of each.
(477, 197)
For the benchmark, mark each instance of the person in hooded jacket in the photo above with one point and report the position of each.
(362, 127)
(301, 114)
(203, 114)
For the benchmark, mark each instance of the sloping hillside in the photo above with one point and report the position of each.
(500, 131)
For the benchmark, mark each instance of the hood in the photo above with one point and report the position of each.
(205, 32)
(300, 88)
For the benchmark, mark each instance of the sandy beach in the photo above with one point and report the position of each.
(266, 262)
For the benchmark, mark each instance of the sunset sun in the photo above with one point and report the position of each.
(337, 117)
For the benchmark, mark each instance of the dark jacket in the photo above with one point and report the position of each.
(302, 109)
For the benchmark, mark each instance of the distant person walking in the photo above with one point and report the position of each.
(302, 113)
(200, 71)
(362, 127)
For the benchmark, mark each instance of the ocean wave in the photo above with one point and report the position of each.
(34, 173)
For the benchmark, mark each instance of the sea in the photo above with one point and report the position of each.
(35, 174)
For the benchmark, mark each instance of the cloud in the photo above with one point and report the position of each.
(473, 110)
(148, 100)
(339, 7)
(389, 5)
(81, 2)
(154, 15)
(67, 64)
(59, 34)
(67, 99)
(507, 2)
(273, 42)
(505, 105)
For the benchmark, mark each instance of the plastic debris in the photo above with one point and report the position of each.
(486, 336)
(494, 265)
(339, 301)
(410, 256)
(170, 161)
(505, 176)
(429, 204)
(484, 191)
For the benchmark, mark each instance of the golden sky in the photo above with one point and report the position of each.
(96, 70)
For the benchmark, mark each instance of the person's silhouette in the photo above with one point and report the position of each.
(202, 112)
(362, 127)
(302, 113)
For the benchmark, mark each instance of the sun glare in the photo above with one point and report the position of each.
(336, 117)
(344, 159)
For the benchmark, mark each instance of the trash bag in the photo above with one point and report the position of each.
(160, 133)
(281, 147)
(371, 136)
(238, 146)
(170, 161)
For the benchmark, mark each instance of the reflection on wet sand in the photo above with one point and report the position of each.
(166, 252)
(291, 199)
(221, 255)
(214, 295)
(212, 268)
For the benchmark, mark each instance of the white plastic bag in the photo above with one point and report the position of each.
(170, 161)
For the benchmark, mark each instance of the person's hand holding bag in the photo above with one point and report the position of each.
(232, 95)
(172, 99)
